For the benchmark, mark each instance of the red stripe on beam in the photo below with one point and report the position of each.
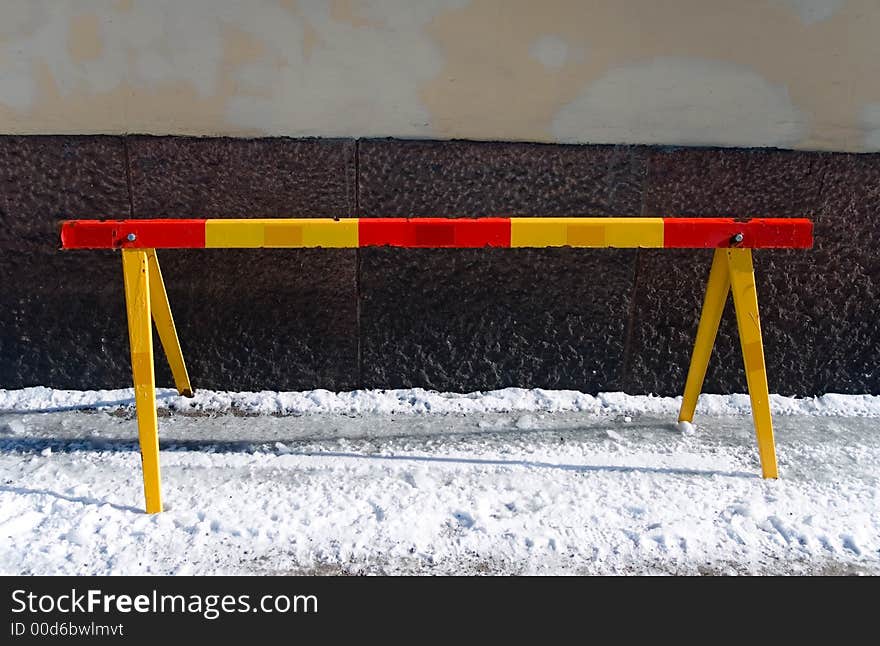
(683, 233)
(148, 234)
(434, 232)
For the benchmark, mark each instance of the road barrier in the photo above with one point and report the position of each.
(732, 271)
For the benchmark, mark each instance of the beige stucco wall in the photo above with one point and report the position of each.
(788, 73)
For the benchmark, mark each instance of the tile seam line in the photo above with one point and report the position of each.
(128, 182)
(359, 350)
(632, 315)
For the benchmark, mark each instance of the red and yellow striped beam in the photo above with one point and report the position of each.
(677, 233)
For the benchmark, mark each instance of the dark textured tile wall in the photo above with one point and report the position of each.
(457, 319)
(734, 183)
(446, 319)
(246, 319)
(62, 320)
(819, 333)
(256, 319)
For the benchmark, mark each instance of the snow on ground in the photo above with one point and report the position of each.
(412, 481)
(418, 400)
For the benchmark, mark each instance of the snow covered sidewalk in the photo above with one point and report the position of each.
(406, 482)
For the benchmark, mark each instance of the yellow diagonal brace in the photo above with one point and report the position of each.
(713, 306)
(165, 326)
(136, 274)
(745, 301)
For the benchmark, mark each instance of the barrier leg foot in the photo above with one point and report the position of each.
(161, 311)
(713, 306)
(136, 273)
(745, 301)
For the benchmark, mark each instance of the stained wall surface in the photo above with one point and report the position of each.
(799, 74)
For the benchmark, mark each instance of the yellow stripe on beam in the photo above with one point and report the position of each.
(279, 233)
(586, 232)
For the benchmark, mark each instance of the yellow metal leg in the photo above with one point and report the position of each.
(135, 269)
(165, 326)
(745, 300)
(713, 306)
